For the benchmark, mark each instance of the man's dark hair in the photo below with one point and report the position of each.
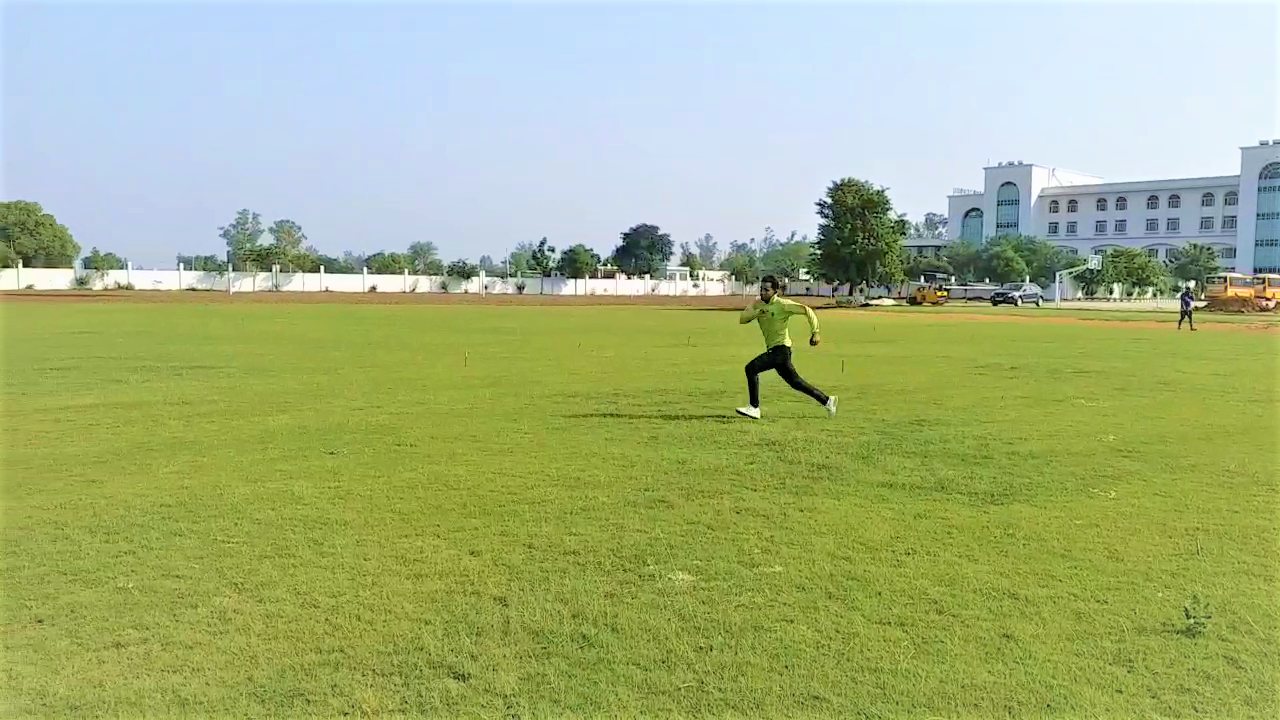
(770, 280)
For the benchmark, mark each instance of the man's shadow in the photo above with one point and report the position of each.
(659, 416)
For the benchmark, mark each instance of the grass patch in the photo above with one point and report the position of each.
(473, 511)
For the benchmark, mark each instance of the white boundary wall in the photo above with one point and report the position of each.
(238, 282)
(65, 279)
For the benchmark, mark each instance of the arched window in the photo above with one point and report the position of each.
(1068, 250)
(1175, 202)
(1207, 200)
(1072, 206)
(1231, 199)
(1101, 204)
(1054, 207)
(1007, 205)
(1266, 238)
(971, 226)
(1122, 203)
(1153, 203)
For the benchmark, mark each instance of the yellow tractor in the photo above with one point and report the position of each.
(927, 294)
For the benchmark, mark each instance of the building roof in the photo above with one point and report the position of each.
(1143, 185)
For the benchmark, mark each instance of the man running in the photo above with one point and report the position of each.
(773, 312)
(1187, 304)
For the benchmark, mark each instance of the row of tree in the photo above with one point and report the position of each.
(860, 242)
(1013, 258)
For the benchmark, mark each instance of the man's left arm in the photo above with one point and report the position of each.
(796, 308)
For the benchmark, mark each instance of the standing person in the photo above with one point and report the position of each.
(1186, 302)
(773, 312)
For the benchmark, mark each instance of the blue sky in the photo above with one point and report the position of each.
(145, 127)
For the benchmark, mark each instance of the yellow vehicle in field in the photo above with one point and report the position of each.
(1266, 285)
(932, 294)
(1228, 285)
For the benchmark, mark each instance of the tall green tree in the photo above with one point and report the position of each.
(787, 259)
(241, 237)
(1131, 268)
(29, 234)
(1195, 261)
(708, 251)
(965, 258)
(690, 259)
(644, 250)
(859, 235)
(202, 263)
(521, 259)
(543, 258)
(579, 261)
(742, 262)
(932, 227)
(98, 260)
(1004, 264)
(462, 269)
(388, 263)
(344, 265)
(1136, 269)
(287, 240)
(424, 258)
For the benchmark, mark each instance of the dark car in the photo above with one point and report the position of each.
(1017, 294)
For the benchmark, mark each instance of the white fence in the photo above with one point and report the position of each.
(239, 282)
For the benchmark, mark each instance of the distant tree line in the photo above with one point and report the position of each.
(859, 242)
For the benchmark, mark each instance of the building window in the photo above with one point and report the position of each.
(971, 226)
(1101, 204)
(1100, 227)
(1007, 204)
(1229, 222)
(1122, 226)
(1231, 199)
(1053, 228)
(1068, 250)
(1266, 237)
(1071, 228)
(1173, 225)
(1122, 204)
(1206, 223)
(1072, 206)
(1054, 207)
(1153, 225)
(1227, 253)
(1153, 253)
(1153, 203)
(1175, 202)
(1207, 200)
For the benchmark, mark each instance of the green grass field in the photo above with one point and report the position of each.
(325, 510)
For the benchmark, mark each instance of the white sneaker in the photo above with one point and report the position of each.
(832, 400)
(753, 413)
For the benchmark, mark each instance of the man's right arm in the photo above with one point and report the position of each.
(749, 314)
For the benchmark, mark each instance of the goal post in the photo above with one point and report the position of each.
(1094, 263)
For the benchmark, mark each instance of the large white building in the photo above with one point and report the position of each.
(1239, 215)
